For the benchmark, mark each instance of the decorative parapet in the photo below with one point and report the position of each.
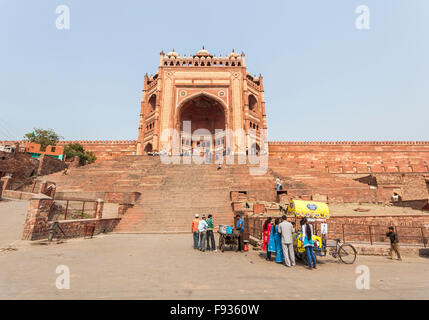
(349, 142)
(99, 142)
(270, 142)
(201, 61)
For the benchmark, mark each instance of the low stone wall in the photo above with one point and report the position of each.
(411, 229)
(415, 204)
(20, 195)
(111, 197)
(37, 223)
(384, 250)
(75, 228)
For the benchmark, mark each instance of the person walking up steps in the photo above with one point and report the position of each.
(279, 184)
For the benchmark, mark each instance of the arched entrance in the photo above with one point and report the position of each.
(255, 149)
(202, 113)
(148, 148)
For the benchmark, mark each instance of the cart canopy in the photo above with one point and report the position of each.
(309, 209)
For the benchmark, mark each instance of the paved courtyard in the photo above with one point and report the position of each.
(145, 266)
(12, 219)
(119, 266)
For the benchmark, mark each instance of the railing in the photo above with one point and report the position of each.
(254, 225)
(376, 234)
(72, 209)
(372, 234)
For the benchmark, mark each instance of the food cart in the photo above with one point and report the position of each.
(318, 212)
(314, 212)
(227, 236)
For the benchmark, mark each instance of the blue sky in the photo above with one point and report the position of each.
(323, 78)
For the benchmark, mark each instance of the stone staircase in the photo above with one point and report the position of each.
(307, 181)
(172, 194)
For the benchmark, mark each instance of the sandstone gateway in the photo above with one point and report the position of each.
(209, 92)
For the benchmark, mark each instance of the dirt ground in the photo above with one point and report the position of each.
(155, 266)
(347, 209)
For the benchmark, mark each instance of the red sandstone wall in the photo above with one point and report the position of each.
(353, 157)
(107, 149)
(341, 157)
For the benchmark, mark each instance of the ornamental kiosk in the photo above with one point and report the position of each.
(314, 212)
(318, 212)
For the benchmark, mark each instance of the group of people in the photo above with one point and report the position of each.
(202, 230)
(278, 238)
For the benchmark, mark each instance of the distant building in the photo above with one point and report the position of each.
(35, 150)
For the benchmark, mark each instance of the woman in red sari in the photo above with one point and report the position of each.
(266, 229)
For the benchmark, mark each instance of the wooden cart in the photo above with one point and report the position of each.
(230, 240)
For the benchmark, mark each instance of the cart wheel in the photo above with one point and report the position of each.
(347, 253)
(222, 244)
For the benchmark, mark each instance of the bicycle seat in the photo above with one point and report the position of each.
(337, 240)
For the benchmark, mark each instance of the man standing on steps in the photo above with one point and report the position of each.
(279, 184)
(194, 230)
(286, 230)
(210, 237)
(202, 228)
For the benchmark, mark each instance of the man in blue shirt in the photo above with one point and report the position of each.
(240, 229)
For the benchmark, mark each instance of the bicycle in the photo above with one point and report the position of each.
(346, 252)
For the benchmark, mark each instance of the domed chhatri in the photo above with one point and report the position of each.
(203, 53)
(173, 54)
(233, 54)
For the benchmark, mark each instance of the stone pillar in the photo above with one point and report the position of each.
(99, 209)
(36, 223)
(51, 190)
(43, 186)
(7, 180)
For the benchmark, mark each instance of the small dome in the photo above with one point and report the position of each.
(173, 54)
(203, 52)
(233, 54)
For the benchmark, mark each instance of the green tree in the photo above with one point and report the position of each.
(43, 137)
(75, 149)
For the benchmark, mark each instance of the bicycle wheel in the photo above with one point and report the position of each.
(222, 243)
(347, 253)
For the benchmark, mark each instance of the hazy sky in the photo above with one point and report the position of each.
(324, 79)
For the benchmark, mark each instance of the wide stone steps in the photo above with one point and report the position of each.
(172, 194)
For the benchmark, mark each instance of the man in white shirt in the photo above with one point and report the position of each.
(202, 229)
(286, 230)
(279, 184)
